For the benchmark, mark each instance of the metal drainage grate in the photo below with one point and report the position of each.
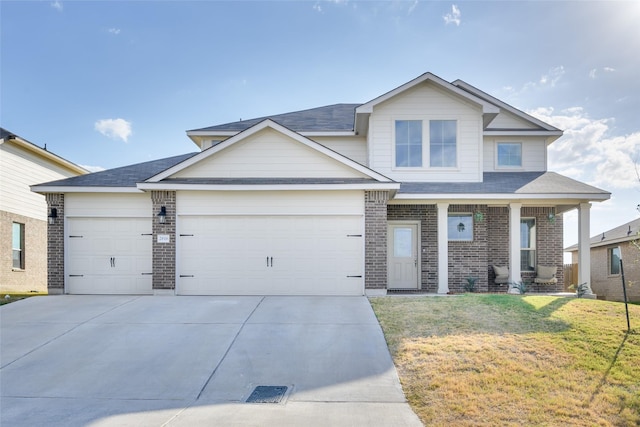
(267, 394)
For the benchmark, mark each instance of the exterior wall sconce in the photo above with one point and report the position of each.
(162, 215)
(52, 216)
(460, 228)
(478, 216)
(551, 216)
(602, 238)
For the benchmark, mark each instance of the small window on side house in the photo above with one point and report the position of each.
(17, 245)
(509, 154)
(408, 143)
(527, 244)
(460, 227)
(614, 261)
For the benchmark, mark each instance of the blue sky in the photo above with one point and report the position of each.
(106, 84)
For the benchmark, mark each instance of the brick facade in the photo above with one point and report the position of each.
(490, 245)
(55, 246)
(609, 286)
(164, 254)
(375, 230)
(34, 275)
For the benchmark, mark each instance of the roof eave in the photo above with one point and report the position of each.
(46, 189)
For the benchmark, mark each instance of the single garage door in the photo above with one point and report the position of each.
(109, 256)
(271, 255)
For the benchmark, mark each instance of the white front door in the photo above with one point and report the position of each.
(402, 253)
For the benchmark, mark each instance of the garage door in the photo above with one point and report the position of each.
(271, 255)
(109, 256)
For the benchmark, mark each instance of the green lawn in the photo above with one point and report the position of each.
(515, 360)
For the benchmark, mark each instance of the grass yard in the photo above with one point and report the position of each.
(474, 360)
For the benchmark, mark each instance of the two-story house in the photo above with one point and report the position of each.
(23, 214)
(416, 190)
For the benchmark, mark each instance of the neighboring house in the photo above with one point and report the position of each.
(414, 190)
(606, 251)
(23, 214)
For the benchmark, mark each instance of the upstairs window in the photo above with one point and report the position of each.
(509, 155)
(442, 143)
(408, 143)
(527, 244)
(614, 261)
(17, 244)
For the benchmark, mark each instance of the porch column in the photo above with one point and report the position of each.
(514, 246)
(443, 248)
(584, 249)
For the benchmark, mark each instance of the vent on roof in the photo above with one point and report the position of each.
(267, 394)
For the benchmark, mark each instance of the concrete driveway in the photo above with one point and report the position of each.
(194, 361)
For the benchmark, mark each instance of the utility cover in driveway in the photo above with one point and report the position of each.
(267, 394)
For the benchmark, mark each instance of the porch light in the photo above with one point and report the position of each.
(52, 216)
(460, 228)
(602, 238)
(162, 215)
(551, 217)
(478, 216)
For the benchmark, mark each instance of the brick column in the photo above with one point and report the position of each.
(164, 254)
(375, 230)
(55, 245)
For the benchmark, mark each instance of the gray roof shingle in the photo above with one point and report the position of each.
(330, 118)
(622, 233)
(126, 176)
(505, 183)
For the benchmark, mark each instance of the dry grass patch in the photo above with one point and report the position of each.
(510, 360)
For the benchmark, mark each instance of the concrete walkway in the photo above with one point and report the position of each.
(194, 361)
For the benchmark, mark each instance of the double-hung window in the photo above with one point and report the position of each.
(17, 245)
(527, 244)
(509, 154)
(408, 143)
(614, 261)
(442, 143)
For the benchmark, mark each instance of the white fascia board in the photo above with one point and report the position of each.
(65, 189)
(488, 198)
(487, 107)
(54, 158)
(279, 128)
(268, 187)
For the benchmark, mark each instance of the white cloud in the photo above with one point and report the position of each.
(593, 73)
(114, 31)
(93, 168)
(589, 152)
(412, 7)
(609, 69)
(553, 76)
(57, 5)
(114, 128)
(317, 7)
(453, 17)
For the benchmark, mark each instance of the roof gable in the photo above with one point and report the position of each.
(268, 150)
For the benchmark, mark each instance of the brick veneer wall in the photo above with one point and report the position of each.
(497, 219)
(375, 230)
(164, 254)
(34, 275)
(609, 287)
(55, 246)
(469, 259)
(549, 246)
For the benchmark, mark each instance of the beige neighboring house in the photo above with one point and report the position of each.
(23, 213)
(606, 250)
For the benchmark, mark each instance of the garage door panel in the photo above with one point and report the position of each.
(277, 255)
(109, 256)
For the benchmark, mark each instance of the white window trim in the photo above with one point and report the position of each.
(497, 163)
(533, 248)
(470, 215)
(426, 145)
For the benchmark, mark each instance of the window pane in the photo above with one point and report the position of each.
(408, 143)
(614, 257)
(17, 243)
(442, 143)
(527, 260)
(510, 154)
(17, 236)
(402, 242)
(460, 227)
(527, 244)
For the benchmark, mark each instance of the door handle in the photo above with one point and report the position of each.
(271, 261)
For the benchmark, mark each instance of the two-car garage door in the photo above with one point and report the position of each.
(276, 255)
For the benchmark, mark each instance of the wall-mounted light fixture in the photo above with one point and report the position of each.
(478, 216)
(162, 215)
(602, 238)
(551, 216)
(460, 228)
(52, 216)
